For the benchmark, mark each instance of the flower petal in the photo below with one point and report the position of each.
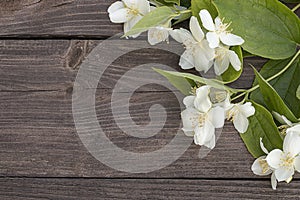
(204, 135)
(202, 101)
(143, 6)
(234, 60)
(187, 60)
(218, 22)
(213, 39)
(189, 101)
(201, 62)
(240, 122)
(274, 158)
(291, 144)
(181, 35)
(120, 16)
(128, 25)
(262, 146)
(196, 29)
(273, 181)
(297, 163)
(115, 6)
(231, 40)
(221, 65)
(208, 52)
(130, 3)
(295, 129)
(247, 109)
(190, 119)
(258, 169)
(217, 116)
(207, 20)
(283, 173)
(157, 35)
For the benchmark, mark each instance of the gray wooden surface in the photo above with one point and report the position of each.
(43, 43)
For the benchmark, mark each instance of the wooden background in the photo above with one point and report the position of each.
(42, 44)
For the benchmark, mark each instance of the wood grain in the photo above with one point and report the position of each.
(159, 189)
(59, 18)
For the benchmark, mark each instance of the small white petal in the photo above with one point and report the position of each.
(120, 16)
(115, 6)
(231, 40)
(291, 144)
(211, 143)
(263, 148)
(257, 167)
(202, 101)
(274, 158)
(297, 163)
(196, 29)
(189, 101)
(201, 62)
(247, 109)
(217, 116)
(187, 60)
(128, 25)
(143, 6)
(157, 35)
(208, 52)
(207, 20)
(218, 22)
(273, 181)
(221, 65)
(204, 135)
(190, 119)
(283, 173)
(181, 35)
(130, 3)
(295, 129)
(240, 122)
(213, 39)
(234, 60)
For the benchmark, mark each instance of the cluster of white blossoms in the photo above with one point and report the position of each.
(282, 164)
(213, 50)
(207, 109)
(203, 49)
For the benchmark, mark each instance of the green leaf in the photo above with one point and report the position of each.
(159, 16)
(269, 28)
(183, 17)
(261, 125)
(298, 92)
(182, 84)
(168, 2)
(197, 5)
(286, 85)
(272, 99)
(212, 82)
(231, 74)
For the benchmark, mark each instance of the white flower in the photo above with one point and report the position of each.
(294, 129)
(261, 167)
(218, 31)
(287, 161)
(200, 119)
(198, 54)
(128, 12)
(158, 34)
(239, 114)
(224, 57)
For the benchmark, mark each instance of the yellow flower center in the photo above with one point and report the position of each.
(264, 165)
(201, 119)
(287, 161)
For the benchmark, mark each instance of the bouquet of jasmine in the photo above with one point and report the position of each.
(221, 33)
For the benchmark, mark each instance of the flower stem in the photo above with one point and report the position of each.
(271, 78)
(296, 7)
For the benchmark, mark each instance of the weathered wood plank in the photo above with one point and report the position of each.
(38, 138)
(143, 189)
(53, 64)
(60, 18)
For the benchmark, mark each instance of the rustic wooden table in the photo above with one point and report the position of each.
(43, 43)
